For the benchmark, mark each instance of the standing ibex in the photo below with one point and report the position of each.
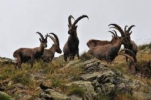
(107, 52)
(128, 43)
(50, 53)
(30, 54)
(93, 42)
(71, 47)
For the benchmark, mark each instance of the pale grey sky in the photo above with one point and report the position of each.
(21, 19)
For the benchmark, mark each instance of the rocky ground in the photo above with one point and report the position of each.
(83, 79)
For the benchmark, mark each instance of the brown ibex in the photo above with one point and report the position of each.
(144, 68)
(107, 52)
(71, 47)
(128, 43)
(50, 53)
(93, 42)
(133, 66)
(30, 54)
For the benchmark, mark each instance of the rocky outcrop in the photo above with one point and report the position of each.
(95, 79)
(99, 79)
(4, 60)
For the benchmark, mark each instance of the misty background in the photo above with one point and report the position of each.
(21, 19)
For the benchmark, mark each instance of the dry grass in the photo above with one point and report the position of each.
(57, 75)
(53, 71)
(144, 46)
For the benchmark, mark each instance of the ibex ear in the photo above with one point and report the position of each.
(130, 33)
(76, 27)
(68, 26)
(40, 39)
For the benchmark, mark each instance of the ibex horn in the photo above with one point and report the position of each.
(56, 37)
(40, 35)
(118, 28)
(79, 18)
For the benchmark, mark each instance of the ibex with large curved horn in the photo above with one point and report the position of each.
(50, 53)
(93, 42)
(71, 47)
(128, 43)
(30, 54)
(133, 60)
(107, 52)
(144, 68)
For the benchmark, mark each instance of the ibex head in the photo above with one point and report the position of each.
(56, 44)
(43, 40)
(73, 27)
(128, 32)
(121, 31)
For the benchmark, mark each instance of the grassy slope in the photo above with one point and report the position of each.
(55, 74)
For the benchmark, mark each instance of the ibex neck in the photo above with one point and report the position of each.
(52, 49)
(118, 43)
(41, 48)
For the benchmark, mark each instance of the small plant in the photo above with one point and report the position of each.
(56, 83)
(102, 97)
(124, 96)
(76, 90)
(7, 73)
(23, 78)
(4, 96)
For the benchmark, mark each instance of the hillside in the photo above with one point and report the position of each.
(82, 79)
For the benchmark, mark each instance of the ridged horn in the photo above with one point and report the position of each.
(131, 58)
(115, 33)
(112, 33)
(40, 35)
(56, 38)
(132, 53)
(130, 28)
(125, 28)
(79, 18)
(46, 36)
(69, 20)
(118, 28)
(52, 38)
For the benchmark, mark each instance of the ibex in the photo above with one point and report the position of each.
(50, 53)
(107, 52)
(144, 68)
(128, 43)
(93, 42)
(30, 54)
(71, 47)
(133, 66)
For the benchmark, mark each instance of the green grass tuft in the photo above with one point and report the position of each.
(76, 90)
(24, 79)
(56, 83)
(4, 96)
